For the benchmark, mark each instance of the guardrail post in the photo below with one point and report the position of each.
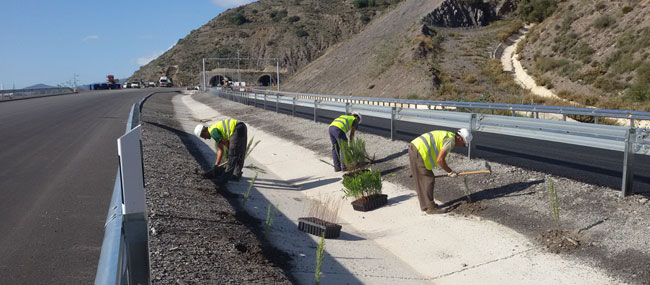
(471, 148)
(628, 157)
(293, 107)
(596, 120)
(347, 108)
(136, 231)
(277, 103)
(255, 101)
(631, 123)
(264, 102)
(315, 110)
(393, 117)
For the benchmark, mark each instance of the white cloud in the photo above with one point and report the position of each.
(231, 3)
(146, 59)
(91, 37)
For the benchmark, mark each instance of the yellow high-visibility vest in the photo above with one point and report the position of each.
(222, 129)
(343, 122)
(429, 145)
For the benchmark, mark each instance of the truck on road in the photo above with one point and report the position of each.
(165, 82)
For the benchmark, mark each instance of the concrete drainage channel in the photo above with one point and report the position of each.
(389, 244)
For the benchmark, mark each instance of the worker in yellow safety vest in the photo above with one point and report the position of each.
(337, 130)
(228, 134)
(427, 152)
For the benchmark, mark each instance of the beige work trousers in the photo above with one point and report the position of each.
(424, 179)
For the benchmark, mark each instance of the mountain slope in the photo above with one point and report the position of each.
(296, 32)
(594, 52)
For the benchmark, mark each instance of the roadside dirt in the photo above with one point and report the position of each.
(612, 232)
(197, 235)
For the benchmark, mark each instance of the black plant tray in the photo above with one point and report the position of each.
(370, 203)
(317, 227)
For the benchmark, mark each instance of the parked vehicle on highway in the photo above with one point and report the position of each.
(127, 85)
(135, 84)
(165, 82)
(151, 84)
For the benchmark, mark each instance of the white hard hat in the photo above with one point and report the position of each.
(465, 134)
(198, 129)
(358, 115)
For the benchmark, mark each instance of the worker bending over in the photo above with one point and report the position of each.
(229, 134)
(428, 151)
(338, 128)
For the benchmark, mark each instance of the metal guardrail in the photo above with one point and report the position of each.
(471, 106)
(627, 140)
(124, 257)
(20, 93)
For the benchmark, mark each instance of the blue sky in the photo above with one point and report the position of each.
(50, 41)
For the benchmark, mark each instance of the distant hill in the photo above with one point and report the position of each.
(39, 86)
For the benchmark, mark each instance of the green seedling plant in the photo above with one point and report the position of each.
(269, 217)
(251, 146)
(555, 207)
(362, 184)
(320, 255)
(250, 187)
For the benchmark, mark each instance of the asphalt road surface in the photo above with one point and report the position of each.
(58, 160)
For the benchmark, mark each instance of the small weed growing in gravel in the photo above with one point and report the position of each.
(552, 194)
(320, 254)
(250, 186)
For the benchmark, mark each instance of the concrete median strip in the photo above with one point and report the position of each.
(395, 243)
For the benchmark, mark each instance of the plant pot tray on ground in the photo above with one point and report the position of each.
(370, 203)
(317, 227)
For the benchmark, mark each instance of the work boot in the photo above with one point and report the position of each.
(435, 210)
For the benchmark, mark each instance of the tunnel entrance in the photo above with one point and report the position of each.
(265, 80)
(218, 80)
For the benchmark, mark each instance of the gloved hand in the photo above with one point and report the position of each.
(452, 174)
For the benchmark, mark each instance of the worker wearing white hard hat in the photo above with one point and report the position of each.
(231, 135)
(337, 130)
(427, 152)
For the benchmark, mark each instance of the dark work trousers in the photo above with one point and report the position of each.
(424, 179)
(237, 151)
(335, 135)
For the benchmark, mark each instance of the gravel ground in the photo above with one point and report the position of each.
(197, 235)
(596, 225)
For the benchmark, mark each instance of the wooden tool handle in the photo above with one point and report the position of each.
(467, 173)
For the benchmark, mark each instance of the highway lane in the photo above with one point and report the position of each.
(58, 159)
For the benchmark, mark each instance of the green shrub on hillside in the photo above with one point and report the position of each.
(237, 18)
(640, 91)
(293, 19)
(536, 10)
(603, 22)
(627, 9)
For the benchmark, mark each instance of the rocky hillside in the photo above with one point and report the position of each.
(593, 52)
(296, 31)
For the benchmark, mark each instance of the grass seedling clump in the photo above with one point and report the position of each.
(270, 216)
(354, 153)
(320, 254)
(326, 209)
(250, 187)
(362, 184)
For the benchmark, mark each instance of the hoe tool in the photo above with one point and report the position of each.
(487, 171)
